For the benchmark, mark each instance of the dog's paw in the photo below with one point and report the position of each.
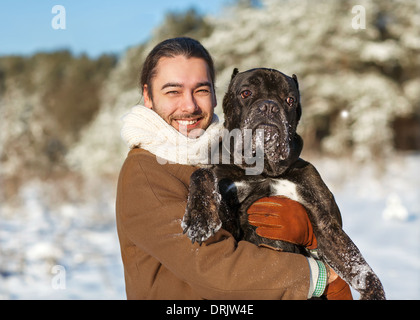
(198, 228)
(373, 293)
(373, 296)
(372, 288)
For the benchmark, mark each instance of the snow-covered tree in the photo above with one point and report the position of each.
(358, 64)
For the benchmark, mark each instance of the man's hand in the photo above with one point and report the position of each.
(337, 288)
(281, 218)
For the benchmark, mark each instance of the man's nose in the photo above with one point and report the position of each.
(189, 104)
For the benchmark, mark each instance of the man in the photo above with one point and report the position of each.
(159, 261)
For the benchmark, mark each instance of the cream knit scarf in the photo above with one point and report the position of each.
(144, 128)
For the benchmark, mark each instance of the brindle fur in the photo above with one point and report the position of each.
(220, 195)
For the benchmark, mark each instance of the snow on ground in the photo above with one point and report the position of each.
(371, 202)
(72, 251)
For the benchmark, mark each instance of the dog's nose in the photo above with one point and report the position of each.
(269, 107)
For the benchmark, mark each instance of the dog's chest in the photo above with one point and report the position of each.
(264, 187)
(282, 187)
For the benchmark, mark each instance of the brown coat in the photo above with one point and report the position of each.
(161, 263)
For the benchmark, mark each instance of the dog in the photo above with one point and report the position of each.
(220, 195)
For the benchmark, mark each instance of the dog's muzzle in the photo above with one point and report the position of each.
(275, 141)
(270, 131)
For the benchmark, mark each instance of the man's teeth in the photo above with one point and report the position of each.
(186, 122)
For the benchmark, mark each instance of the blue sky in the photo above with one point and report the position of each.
(92, 26)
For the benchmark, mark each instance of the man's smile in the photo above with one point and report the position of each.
(186, 124)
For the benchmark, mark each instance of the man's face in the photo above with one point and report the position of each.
(183, 94)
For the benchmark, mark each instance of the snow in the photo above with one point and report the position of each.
(388, 241)
(72, 251)
(41, 245)
(395, 209)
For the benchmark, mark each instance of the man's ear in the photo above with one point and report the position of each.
(147, 98)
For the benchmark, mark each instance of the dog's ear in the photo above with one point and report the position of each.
(234, 73)
(298, 112)
(230, 112)
(299, 107)
(296, 81)
(229, 95)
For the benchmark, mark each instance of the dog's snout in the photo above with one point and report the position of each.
(269, 107)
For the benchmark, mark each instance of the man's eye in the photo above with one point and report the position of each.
(246, 94)
(203, 91)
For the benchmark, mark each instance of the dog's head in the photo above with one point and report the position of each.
(266, 101)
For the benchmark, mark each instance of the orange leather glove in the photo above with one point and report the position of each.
(281, 218)
(338, 290)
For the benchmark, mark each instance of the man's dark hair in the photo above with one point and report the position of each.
(170, 48)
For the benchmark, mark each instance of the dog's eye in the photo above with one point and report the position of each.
(246, 94)
(290, 100)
